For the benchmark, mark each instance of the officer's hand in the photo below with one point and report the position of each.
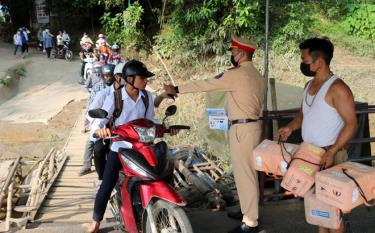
(285, 132)
(174, 132)
(170, 89)
(103, 133)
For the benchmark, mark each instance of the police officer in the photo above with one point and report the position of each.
(244, 87)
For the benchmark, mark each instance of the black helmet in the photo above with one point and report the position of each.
(108, 69)
(134, 67)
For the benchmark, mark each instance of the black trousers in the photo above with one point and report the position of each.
(48, 50)
(83, 64)
(100, 156)
(110, 177)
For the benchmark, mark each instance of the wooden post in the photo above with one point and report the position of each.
(9, 207)
(9, 179)
(275, 125)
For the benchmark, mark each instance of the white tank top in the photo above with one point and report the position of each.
(321, 123)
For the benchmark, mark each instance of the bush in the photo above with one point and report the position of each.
(124, 28)
(359, 21)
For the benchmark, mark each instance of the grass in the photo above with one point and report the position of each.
(18, 73)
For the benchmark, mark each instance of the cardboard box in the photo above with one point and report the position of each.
(321, 214)
(336, 188)
(273, 158)
(300, 176)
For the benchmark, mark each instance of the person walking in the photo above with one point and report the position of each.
(17, 41)
(25, 43)
(48, 43)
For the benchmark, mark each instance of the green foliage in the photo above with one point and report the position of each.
(52, 137)
(21, 72)
(360, 21)
(6, 80)
(124, 28)
(191, 29)
(209, 25)
(289, 26)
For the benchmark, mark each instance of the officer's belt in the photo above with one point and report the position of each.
(241, 121)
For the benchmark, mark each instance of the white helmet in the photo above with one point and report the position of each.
(115, 47)
(101, 35)
(118, 68)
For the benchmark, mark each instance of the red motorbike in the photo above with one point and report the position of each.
(143, 200)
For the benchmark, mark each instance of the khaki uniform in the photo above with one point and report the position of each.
(245, 89)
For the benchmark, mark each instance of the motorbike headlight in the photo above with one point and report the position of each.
(135, 168)
(145, 134)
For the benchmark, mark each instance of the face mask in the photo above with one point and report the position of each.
(305, 69)
(110, 81)
(234, 63)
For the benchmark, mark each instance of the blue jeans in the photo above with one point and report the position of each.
(16, 47)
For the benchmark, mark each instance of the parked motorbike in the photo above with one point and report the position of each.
(143, 200)
(64, 53)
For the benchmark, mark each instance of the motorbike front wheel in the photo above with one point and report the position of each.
(68, 55)
(169, 218)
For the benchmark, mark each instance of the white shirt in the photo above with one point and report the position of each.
(59, 39)
(131, 110)
(66, 37)
(321, 123)
(100, 97)
(17, 39)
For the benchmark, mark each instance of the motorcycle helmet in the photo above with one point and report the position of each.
(97, 68)
(115, 47)
(135, 67)
(100, 36)
(108, 69)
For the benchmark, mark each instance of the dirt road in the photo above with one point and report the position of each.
(44, 105)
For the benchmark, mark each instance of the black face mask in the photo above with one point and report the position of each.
(234, 63)
(305, 69)
(110, 81)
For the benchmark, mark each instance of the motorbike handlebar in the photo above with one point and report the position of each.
(178, 127)
(97, 136)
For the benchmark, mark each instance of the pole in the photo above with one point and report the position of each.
(129, 3)
(265, 107)
(261, 175)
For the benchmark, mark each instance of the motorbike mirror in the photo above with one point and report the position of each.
(170, 111)
(98, 113)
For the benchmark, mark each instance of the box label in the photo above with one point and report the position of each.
(319, 213)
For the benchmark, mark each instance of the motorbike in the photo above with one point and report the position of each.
(89, 66)
(143, 200)
(64, 53)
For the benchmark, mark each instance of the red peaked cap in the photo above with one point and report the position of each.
(243, 44)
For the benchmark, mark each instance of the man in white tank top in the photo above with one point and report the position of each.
(327, 115)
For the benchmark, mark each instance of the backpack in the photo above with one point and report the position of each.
(119, 104)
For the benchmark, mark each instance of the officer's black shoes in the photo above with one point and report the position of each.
(235, 214)
(245, 229)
